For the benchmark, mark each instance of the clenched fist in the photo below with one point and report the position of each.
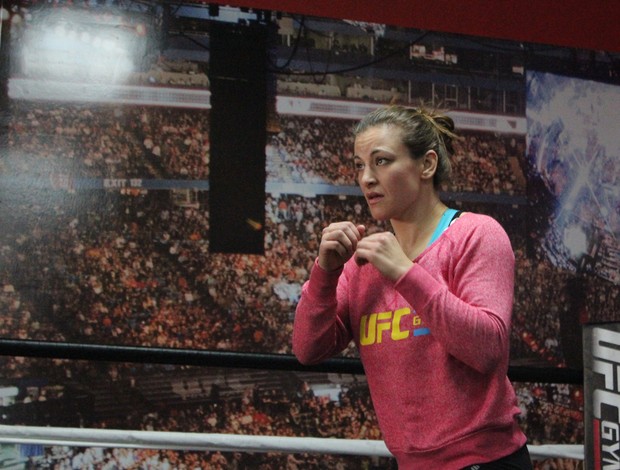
(338, 243)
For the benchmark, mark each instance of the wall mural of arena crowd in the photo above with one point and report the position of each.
(104, 202)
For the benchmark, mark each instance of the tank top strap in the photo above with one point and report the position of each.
(444, 222)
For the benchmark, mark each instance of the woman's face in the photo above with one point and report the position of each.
(387, 174)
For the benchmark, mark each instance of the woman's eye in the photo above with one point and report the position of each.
(358, 165)
(381, 161)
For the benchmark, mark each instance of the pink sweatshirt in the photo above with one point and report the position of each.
(434, 344)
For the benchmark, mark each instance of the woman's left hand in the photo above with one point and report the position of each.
(383, 251)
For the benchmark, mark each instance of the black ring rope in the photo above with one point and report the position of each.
(209, 358)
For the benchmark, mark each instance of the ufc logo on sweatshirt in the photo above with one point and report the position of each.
(395, 325)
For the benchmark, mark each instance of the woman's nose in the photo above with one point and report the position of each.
(366, 177)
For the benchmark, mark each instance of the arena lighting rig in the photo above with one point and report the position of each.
(226, 14)
(106, 43)
(81, 44)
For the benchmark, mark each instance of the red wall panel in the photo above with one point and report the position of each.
(590, 24)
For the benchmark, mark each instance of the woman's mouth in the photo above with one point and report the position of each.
(373, 198)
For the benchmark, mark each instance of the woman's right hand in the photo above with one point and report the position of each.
(338, 244)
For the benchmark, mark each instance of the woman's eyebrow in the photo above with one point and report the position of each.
(372, 153)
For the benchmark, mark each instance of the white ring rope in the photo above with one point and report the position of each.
(113, 438)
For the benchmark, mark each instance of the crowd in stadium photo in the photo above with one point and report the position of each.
(105, 266)
(316, 150)
(89, 141)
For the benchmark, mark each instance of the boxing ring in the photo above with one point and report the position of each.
(209, 442)
(111, 438)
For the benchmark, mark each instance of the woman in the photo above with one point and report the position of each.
(428, 306)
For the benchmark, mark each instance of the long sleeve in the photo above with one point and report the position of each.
(434, 344)
(320, 330)
(470, 314)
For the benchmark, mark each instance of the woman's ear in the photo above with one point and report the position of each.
(429, 162)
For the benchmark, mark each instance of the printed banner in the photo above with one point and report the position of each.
(602, 394)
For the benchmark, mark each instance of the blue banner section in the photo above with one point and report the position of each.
(138, 183)
(61, 182)
(304, 190)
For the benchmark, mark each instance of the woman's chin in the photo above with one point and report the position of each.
(379, 215)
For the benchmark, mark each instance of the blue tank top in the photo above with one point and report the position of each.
(444, 223)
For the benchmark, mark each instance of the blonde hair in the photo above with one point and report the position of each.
(423, 130)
